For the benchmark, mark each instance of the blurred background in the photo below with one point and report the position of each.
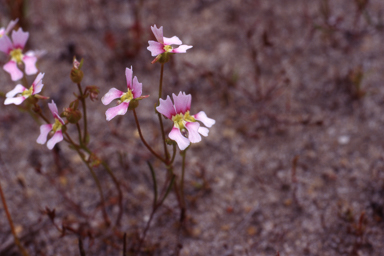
(293, 164)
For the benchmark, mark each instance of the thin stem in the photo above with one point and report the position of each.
(173, 154)
(37, 109)
(16, 239)
(182, 177)
(143, 140)
(82, 98)
(79, 132)
(106, 219)
(159, 115)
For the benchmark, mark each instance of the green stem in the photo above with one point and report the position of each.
(94, 176)
(79, 132)
(145, 143)
(159, 115)
(82, 98)
(173, 154)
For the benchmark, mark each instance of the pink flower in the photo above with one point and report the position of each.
(20, 93)
(55, 129)
(133, 94)
(11, 25)
(14, 49)
(185, 128)
(163, 45)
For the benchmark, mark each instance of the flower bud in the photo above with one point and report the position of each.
(73, 115)
(93, 92)
(76, 73)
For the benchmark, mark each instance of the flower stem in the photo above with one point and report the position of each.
(159, 115)
(145, 143)
(82, 98)
(97, 181)
(22, 250)
(183, 208)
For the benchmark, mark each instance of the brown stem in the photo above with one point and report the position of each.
(145, 143)
(159, 115)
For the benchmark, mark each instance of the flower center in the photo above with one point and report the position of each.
(168, 48)
(181, 119)
(28, 92)
(127, 97)
(57, 125)
(17, 55)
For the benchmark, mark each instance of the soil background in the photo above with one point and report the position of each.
(294, 163)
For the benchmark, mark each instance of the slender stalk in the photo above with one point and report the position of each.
(22, 250)
(143, 140)
(183, 207)
(82, 98)
(79, 132)
(173, 154)
(159, 115)
(106, 219)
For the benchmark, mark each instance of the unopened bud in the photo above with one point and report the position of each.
(76, 73)
(93, 92)
(73, 116)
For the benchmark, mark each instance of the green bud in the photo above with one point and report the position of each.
(73, 116)
(133, 104)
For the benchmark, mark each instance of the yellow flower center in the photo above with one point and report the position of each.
(127, 97)
(28, 92)
(168, 48)
(180, 120)
(17, 55)
(57, 125)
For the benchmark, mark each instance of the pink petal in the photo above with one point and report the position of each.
(128, 76)
(37, 85)
(5, 44)
(202, 117)
(30, 64)
(118, 110)
(18, 89)
(193, 134)
(181, 141)
(111, 95)
(203, 131)
(15, 100)
(44, 130)
(19, 38)
(52, 106)
(13, 70)
(57, 137)
(158, 32)
(137, 88)
(182, 49)
(182, 102)
(166, 108)
(10, 26)
(172, 40)
(155, 48)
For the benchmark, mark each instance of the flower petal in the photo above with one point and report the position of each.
(111, 95)
(37, 85)
(181, 141)
(15, 100)
(18, 89)
(158, 32)
(182, 48)
(202, 117)
(13, 70)
(155, 48)
(5, 44)
(137, 88)
(166, 108)
(120, 109)
(172, 40)
(203, 131)
(128, 76)
(182, 102)
(19, 38)
(30, 64)
(57, 137)
(193, 134)
(52, 106)
(10, 26)
(44, 130)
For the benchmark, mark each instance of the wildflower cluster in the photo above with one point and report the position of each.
(186, 127)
